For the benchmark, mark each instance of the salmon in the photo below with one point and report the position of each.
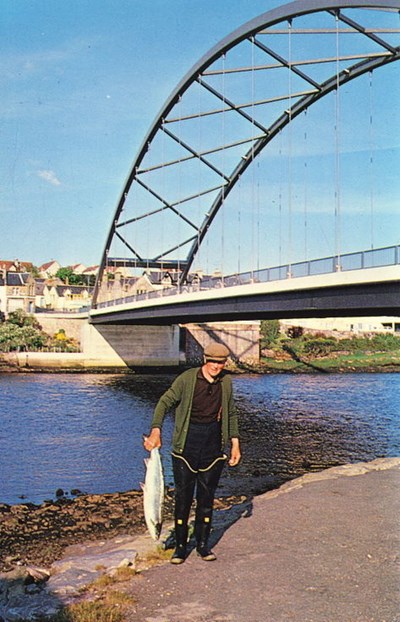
(153, 494)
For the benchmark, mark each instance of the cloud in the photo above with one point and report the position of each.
(50, 177)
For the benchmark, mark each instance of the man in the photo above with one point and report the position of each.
(205, 419)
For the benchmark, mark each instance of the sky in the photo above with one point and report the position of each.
(81, 82)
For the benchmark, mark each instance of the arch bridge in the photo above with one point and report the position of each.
(250, 162)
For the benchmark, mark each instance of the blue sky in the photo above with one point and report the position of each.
(82, 80)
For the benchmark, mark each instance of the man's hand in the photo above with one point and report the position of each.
(235, 452)
(153, 440)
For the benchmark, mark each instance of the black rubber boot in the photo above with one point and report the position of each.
(202, 534)
(207, 482)
(185, 480)
(181, 535)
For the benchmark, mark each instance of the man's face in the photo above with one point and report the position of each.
(214, 368)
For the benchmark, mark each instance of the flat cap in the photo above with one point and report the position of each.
(216, 352)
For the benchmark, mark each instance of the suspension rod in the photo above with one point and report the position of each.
(195, 153)
(157, 196)
(127, 245)
(297, 63)
(231, 105)
(202, 153)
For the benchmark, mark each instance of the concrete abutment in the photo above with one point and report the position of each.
(132, 346)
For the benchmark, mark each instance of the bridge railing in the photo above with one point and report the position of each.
(373, 258)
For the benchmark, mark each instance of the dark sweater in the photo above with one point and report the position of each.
(180, 396)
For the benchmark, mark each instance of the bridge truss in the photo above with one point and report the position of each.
(229, 108)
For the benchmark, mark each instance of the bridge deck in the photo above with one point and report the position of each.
(372, 291)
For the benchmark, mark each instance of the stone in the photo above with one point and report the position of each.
(22, 595)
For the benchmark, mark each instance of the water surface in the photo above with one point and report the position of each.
(84, 431)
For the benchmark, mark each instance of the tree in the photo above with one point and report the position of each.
(269, 330)
(68, 276)
(65, 274)
(35, 272)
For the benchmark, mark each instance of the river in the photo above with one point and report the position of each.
(84, 431)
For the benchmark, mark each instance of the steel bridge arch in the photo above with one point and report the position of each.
(249, 30)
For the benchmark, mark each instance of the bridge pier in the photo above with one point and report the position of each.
(241, 338)
(129, 345)
(133, 346)
(169, 346)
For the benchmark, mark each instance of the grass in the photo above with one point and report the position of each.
(358, 361)
(152, 558)
(101, 604)
(159, 554)
(99, 611)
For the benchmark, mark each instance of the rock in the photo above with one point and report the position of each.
(37, 607)
(38, 574)
(125, 563)
(84, 564)
(32, 593)
(22, 595)
(38, 535)
(75, 492)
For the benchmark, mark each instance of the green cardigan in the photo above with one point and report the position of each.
(180, 395)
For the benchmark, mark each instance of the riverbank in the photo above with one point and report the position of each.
(360, 362)
(326, 549)
(37, 535)
(38, 362)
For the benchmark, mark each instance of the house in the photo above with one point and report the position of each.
(346, 325)
(91, 270)
(117, 271)
(49, 269)
(3, 296)
(78, 268)
(17, 291)
(15, 266)
(155, 280)
(89, 274)
(54, 297)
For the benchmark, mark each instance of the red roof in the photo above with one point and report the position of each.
(21, 266)
(47, 265)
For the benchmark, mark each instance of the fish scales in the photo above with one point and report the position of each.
(153, 494)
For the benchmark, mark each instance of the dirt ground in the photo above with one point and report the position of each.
(38, 535)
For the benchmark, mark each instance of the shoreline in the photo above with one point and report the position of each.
(38, 534)
(302, 367)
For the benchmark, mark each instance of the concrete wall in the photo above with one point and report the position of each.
(63, 361)
(122, 346)
(242, 339)
(136, 346)
(52, 322)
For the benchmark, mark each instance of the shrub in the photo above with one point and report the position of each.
(22, 338)
(295, 332)
(269, 330)
(20, 318)
(386, 342)
(22, 332)
(320, 347)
